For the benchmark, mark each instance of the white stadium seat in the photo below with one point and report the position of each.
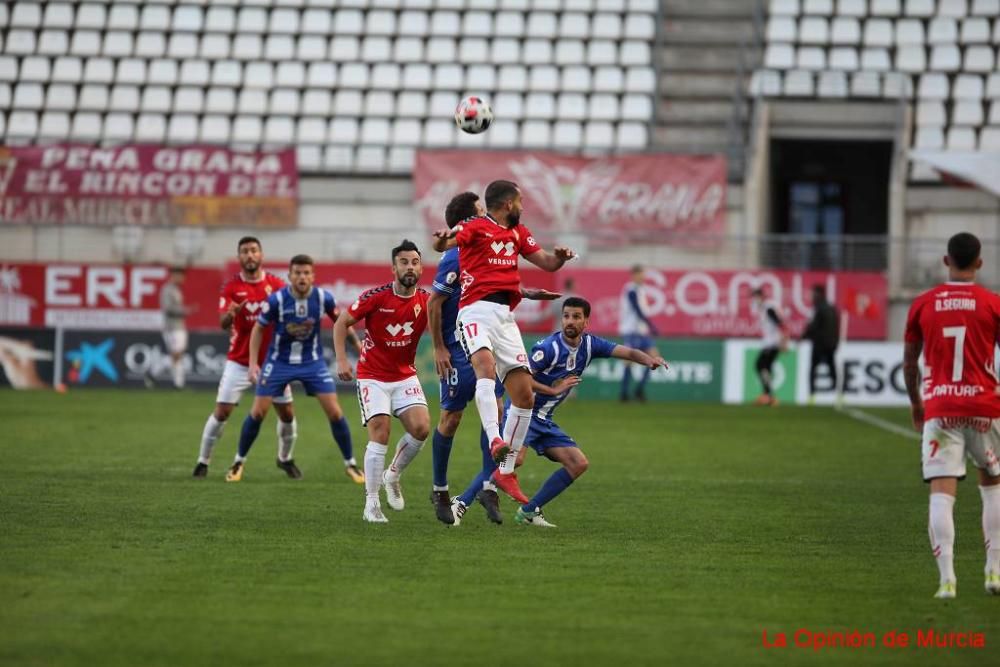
(920, 8)
(975, 31)
(876, 60)
(994, 118)
(799, 83)
(968, 87)
(993, 86)
(781, 29)
(946, 58)
(53, 43)
(961, 139)
(911, 59)
(965, 112)
(192, 100)
(156, 98)
(766, 83)
(182, 129)
(54, 126)
(866, 84)
(931, 113)
(819, 7)
(34, 68)
(60, 97)
(851, 7)
(985, 8)
(909, 32)
(845, 31)
(933, 87)
(929, 137)
(956, 8)
(942, 31)
(843, 58)
(890, 8)
(786, 7)
(811, 58)
(814, 30)
(259, 75)
(214, 130)
(93, 97)
(151, 128)
(878, 32)
(606, 26)
(86, 126)
(989, 139)
(779, 56)
(978, 59)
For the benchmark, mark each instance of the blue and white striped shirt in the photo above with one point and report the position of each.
(297, 324)
(552, 359)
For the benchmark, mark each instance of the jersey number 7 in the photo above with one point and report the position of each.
(958, 359)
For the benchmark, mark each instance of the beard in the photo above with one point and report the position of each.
(514, 219)
(250, 266)
(571, 332)
(407, 280)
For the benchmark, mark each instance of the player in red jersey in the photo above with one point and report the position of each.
(488, 250)
(239, 305)
(957, 405)
(395, 317)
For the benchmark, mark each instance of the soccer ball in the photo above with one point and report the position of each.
(473, 115)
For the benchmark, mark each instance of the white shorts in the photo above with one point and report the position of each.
(176, 340)
(488, 325)
(948, 441)
(389, 398)
(235, 380)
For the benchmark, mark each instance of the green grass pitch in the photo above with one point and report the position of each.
(696, 529)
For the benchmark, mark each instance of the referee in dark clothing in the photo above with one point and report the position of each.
(823, 331)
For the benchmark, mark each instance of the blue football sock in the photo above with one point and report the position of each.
(484, 475)
(440, 453)
(553, 486)
(251, 427)
(342, 434)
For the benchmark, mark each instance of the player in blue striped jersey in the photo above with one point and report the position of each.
(557, 362)
(296, 353)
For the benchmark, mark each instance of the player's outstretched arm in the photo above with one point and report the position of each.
(911, 375)
(445, 238)
(639, 357)
(442, 357)
(539, 294)
(551, 261)
(226, 319)
(256, 338)
(340, 327)
(558, 387)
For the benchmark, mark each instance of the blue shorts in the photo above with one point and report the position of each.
(638, 341)
(545, 434)
(314, 376)
(459, 388)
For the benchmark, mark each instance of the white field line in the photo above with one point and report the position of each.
(878, 422)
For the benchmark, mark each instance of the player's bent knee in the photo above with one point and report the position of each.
(378, 429)
(579, 465)
(448, 423)
(222, 411)
(285, 412)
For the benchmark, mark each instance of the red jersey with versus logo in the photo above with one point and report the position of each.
(488, 254)
(393, 326)
(958, 325)
(253, 296)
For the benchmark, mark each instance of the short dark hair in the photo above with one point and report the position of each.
(301, 260)
(461, 207)
(577, 302)
(177, 268)
(637, 268)
(963, 250)
(499, 193)
(405, 246)
(248, 239)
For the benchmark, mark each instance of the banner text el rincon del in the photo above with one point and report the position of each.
(148, 185)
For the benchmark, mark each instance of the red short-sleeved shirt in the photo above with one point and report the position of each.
(958, 326)
(253, 295)
(488, 253)
(393, 326)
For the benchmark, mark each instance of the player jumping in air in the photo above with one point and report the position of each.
(458, 379)
(557, 362)
(240, 303)
(488, 250)
(295, 353)
(956, 406)
(395, 317)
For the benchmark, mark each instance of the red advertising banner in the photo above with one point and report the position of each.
(714, 304)
(147, 185)
(671, 199)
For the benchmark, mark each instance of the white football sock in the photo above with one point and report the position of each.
(941, 529)
(287, 432)
(179, 374)
(209, 436)
(406, 450)
(486, 403)
(374, 467)
(515, 428)
(991, 526)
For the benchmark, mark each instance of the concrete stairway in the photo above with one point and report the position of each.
(701, 50)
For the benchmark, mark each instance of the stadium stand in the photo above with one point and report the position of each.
(939, 56)
(355, 85)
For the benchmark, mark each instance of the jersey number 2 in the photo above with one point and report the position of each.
(958, 360)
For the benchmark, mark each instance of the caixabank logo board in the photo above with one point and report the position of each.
(132, 358)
